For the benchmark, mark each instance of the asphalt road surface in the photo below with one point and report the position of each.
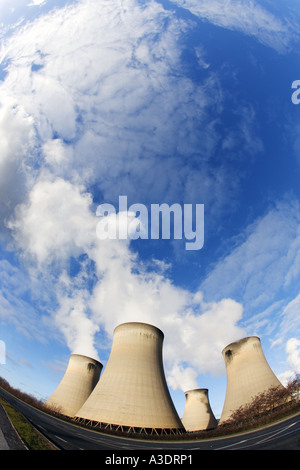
(281, 436)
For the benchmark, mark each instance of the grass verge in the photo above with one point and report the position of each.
(29, 435)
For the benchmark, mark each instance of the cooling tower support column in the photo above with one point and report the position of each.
(79, 380)
(248, 374)
(198, 415)
(132, 394)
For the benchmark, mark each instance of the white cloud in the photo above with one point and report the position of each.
(293, 360)
(72, 320)
(182, 378)
(55, 223)
(246, 16)
(121, 103)
(57, 155)
(293, 354)
(16, 140)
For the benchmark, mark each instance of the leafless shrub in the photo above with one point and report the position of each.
(53, 409)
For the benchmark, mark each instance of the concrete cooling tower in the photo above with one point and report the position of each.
(79, 380)
(198, 415)
(248, 374)
(132, 394)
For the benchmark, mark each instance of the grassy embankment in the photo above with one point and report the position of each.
(29, 435)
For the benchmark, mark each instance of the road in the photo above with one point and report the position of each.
(281, 436)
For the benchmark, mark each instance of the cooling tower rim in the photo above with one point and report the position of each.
(86, 357)
(196, 390)
(141, 324)
(240, 341)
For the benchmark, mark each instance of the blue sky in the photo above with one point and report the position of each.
(182, 101)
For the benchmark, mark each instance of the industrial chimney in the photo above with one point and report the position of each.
(248, 374)
(79, 380)
(132, 394)
(198, 415)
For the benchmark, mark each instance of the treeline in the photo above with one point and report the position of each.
(21, 395)
(30, 400)
(267, 407)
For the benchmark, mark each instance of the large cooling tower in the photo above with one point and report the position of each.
(79, 380)
(198, 415)
(132, 393)
(248, 374)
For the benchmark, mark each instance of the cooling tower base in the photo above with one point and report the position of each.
(129, 429)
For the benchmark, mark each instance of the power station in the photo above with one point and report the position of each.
(198, 415)
(248, 374)
(132, 393)
(79, 380)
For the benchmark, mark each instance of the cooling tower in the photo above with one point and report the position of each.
(79, 380)
(132, 394)
(248, 374)
(198, 414)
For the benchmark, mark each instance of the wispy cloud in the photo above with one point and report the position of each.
(290, 319)
(34, 3)
(262, 264)
(248, 17)
(20, 302)
(126, 110)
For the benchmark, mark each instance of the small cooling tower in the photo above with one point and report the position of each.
(248, 374)
(198, 415)
(132, 394)
(79, 380)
